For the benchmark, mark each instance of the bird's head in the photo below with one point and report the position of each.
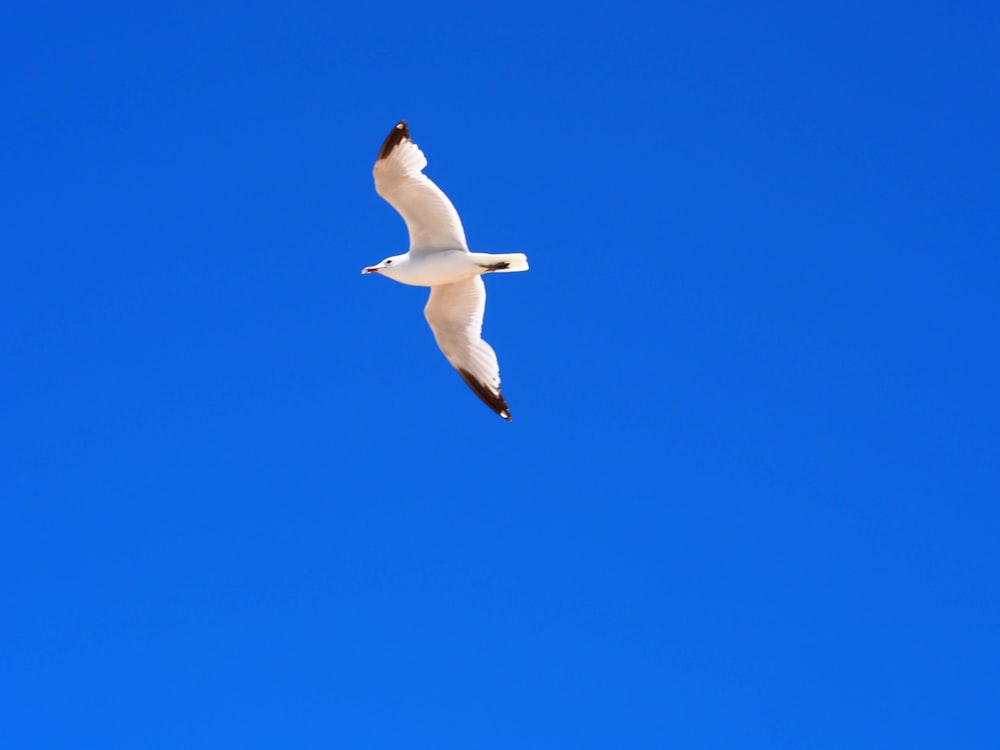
(386, 267)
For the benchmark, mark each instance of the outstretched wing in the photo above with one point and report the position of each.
(430, 217)
(455, 314)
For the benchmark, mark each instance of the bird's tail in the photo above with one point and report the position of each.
(502, 262)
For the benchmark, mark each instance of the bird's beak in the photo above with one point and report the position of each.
(370, 269)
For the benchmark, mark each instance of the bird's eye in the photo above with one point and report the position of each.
(388, 262)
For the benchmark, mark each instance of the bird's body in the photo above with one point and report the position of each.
(439, 258)
(444, 267)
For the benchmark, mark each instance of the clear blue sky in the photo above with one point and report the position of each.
(749, 495)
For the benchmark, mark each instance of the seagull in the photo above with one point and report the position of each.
(440, 258)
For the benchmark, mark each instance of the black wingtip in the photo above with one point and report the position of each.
(396, 136)
(493, 400)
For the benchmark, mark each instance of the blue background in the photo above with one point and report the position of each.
(749, 495)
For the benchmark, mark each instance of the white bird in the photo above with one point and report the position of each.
(439, 258)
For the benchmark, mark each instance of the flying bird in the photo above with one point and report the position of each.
(440, 258)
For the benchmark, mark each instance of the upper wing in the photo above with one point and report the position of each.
(455, 314)
(432, 221)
